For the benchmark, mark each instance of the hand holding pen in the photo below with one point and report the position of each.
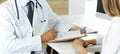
(84, 31)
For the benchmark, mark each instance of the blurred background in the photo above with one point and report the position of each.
(1, 1)
(60, 7)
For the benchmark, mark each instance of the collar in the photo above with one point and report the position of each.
(24, 2)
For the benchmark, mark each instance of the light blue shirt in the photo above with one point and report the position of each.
(24, 4)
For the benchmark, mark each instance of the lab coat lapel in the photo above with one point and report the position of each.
(28, 24)
(23, 14)
(38, 26)
(22, 25)
(23, 17)
(25, 24)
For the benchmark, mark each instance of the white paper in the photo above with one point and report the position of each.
(69, 34)
(65, 36)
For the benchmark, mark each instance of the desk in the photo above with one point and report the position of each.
(66, 48)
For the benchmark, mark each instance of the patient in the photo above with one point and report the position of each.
(111, 42)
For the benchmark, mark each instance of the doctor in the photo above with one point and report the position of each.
(25, 25)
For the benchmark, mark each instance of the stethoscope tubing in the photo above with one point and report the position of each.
(18, 9)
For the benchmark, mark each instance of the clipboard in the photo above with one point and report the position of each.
(68, 36)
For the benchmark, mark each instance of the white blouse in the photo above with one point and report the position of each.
(111, 42)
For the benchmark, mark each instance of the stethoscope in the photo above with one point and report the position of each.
(37, 3)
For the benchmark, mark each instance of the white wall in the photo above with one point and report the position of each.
(76, 7)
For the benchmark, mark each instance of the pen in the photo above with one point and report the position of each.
(84, 31)
(92, 32)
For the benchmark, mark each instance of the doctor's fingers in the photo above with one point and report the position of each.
(54, 31)
(55, 34)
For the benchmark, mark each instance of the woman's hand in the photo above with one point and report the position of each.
(78, 45)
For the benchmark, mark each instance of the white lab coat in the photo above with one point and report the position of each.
(111, 42)
(16, 34)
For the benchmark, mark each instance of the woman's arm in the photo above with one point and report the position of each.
(111, 44)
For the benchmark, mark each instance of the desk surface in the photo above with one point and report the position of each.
(66, 48)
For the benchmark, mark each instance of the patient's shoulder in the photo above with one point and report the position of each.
(116, 20)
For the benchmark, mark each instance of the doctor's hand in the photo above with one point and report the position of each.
(50, 35)
(76, 28)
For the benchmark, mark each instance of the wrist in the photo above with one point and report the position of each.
(43, 38)
(82, 50)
